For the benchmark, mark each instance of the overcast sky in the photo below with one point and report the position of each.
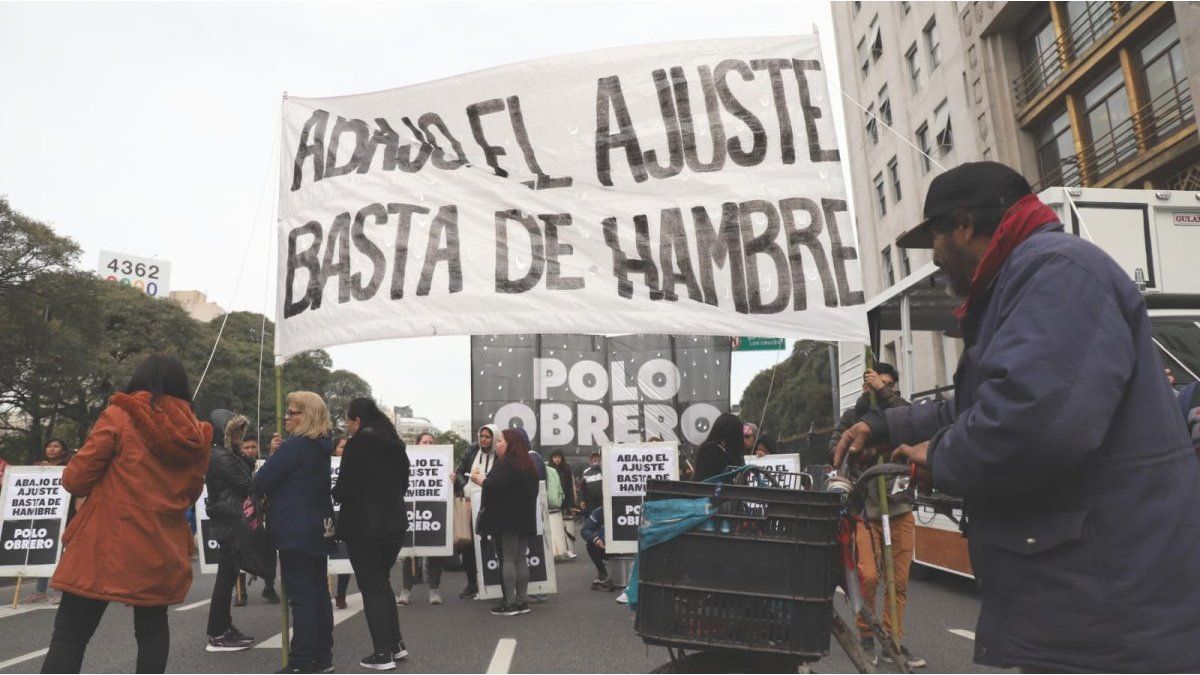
(147, 128)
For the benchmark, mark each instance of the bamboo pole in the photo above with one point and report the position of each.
(284, 618)
(889, 565)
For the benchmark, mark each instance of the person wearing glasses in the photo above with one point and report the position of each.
(300, 517)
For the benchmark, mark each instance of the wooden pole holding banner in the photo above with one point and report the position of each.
(17, 591)
(284, 618)
(889, 565)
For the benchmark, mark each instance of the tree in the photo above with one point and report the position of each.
(800, 398)
(29, 249)
(341, 387)
(450, 438)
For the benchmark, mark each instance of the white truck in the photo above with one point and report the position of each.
(1153, 235)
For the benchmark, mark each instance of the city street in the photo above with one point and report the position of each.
(574, 631)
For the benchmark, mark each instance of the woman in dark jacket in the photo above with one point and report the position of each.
(373, 520)
(508, 515)
(300, 517)
(722, 448)
(229, 482)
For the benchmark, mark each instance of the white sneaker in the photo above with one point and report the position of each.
(404, 598)
(571, 555)
(623, 599)
(435, 596)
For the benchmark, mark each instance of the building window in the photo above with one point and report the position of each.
(914, 67)
(889, 272)
(877, 41)
(863, 57)
(1086, 23)
(932, 43)
(943, 134)
(857, 7)
(872, 125)
(893, 169)
(973, 57)
(1056, 152)
(978, 87)
(1039, 53)
(987, 154)
(885, 106)
(923, 144)
(1167, 91)
(880, 195)
(905, 263)
(1110, 128)
(906, 7)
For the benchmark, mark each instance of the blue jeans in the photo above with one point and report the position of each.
(43, 583)
(304, 577)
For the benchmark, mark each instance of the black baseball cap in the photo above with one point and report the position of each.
(966, 186)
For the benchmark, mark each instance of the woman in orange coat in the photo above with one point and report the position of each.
(142, 466)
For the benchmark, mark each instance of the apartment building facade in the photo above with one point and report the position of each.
(1083, 94)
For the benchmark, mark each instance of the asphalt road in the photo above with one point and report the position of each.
(576, 630)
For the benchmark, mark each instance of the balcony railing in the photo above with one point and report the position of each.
(1087, 29)
(1150, 125)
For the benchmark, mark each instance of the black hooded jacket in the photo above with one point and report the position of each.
(229, 481)
(371, 486)
(722, 448)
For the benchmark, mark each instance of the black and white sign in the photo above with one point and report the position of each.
(153, 277)
(787, 463)
(541, 566)
(686, 187)
(210, 548)
(339, 560)
(578, 393)
(428, 500)
(627, 467)
(35, 514)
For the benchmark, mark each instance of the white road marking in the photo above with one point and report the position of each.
(194, 605)
(23, 659)
(354, 605)
(502, 657)
(962, 633)
(7, 610)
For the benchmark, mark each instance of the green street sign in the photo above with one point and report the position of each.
(757, 344)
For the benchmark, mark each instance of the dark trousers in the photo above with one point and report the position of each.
(372, 559)
(433, 572)
(219, 617)
(343, 584)
(597, 555)
(304, 579)
(469, 568)
(76, 622)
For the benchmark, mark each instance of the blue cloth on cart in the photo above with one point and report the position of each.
(665, 519)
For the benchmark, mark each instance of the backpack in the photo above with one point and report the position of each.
(252, 545)
(554, 489)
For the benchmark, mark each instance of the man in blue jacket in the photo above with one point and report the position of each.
(1079, 483)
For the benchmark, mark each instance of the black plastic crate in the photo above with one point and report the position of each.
(758, 577)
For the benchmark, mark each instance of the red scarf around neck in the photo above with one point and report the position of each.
(1022, 219)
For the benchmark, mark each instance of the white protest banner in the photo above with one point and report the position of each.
(206, 544)
(428, 500)
(339, 560)
(34, 517)
(542, 578)
(627, 467)
(688, 187)
(787, 463)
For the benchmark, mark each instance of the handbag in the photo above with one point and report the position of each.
(462, 525)
(252, 545)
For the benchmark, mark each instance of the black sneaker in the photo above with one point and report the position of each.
(912, 661)
(868, 646)
(231, 641)
(400, 653)
(504, 609)
(469, 592)
(378, 662)
(522, 608)
(305, 668)
(270, 595)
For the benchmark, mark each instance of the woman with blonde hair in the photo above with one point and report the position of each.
(300, 517)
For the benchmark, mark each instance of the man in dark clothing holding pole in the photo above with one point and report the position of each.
(1063, 438)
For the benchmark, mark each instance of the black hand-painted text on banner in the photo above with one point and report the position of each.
(682, 187)
(626, 468)
(35, 506)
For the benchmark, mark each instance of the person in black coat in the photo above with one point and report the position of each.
(508, 514)
(722, 448)
(373, 521)
(229, 482)
(300, 518)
